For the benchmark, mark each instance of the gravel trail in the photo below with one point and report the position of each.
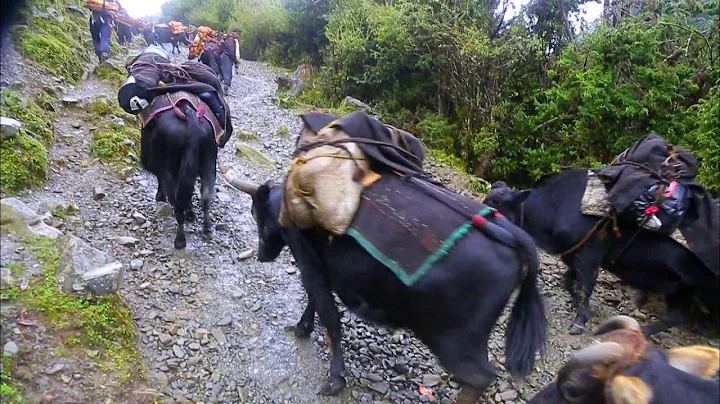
(212, 320)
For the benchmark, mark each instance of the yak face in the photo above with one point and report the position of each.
(506, 200)
(266, 211)
(623, 368)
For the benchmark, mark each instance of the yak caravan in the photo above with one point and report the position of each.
(432, 280)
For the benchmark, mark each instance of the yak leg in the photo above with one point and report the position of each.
(207, 184)
(160, 195)
(587, 267)
(320, 294)
(305, 326)
(677, 305)
(465, 356)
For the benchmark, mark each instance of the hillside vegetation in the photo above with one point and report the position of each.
(514, 98)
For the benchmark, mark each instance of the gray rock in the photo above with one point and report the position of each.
(219, 335)
(60, 207)
(16, 217)
(178, 351)
(10, 348)
(284, 81)
(430, 380)
(6, 279)
(163, 209)
(224, 321)
(98, 193)
(9, 127)
(56, 368)
(84, 270)
(380, 387)
(159, 378)
(508, 395)
(126, 240)
(290, 269)
(136, 264)
(358, 104)
(165, 339)
(75, 9)
(194, 346)
(139, 218)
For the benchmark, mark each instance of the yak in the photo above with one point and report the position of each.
(164, 35)
(452, 309)
(624, 368)
(653, 263)
(176, 149)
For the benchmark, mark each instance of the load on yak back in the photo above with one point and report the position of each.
(102, 13)
(218, 51)
(642, 218)
(363, 220)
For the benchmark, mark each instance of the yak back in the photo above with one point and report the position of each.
(626, 180)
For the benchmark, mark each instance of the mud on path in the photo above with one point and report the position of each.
(212, 320)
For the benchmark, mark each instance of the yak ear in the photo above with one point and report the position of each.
(522, 195)
(697, 360)
(630, 390)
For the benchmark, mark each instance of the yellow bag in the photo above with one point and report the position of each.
(97, 5)
(176, 27)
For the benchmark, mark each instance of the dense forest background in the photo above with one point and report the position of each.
(508, 94)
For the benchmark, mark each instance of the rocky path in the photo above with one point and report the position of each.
(212, 319)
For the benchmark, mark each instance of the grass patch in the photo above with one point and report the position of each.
(60, 43)
(8, 385)
(314, 99)
(103, 324)
(282, 131)
(15, 269)
(245, 135)
(110, 74)
(113, 142)
(24, 157)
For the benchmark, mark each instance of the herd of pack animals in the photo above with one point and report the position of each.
(653, 227)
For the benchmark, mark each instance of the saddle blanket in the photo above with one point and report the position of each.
(595, 202)
(410, 225)
(169, 101)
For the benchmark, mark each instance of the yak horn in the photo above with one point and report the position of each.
(602, 353)
(243, 186)
(618, 323)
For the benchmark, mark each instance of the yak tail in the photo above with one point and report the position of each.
(190, 161)
(527, 331)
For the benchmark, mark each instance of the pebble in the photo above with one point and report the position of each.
(139, 218)
(98, 193)
(137, 263)
(194, 346)
(56, 368)
(430, 380)
(126, 240)
(10, 348)
(178, 351)
(508, 395)
(225, 321)
(219, 335)
(163, 209)
(165, 339)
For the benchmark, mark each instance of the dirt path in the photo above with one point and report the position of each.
(212, 322)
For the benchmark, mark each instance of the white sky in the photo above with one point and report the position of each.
(143, 8)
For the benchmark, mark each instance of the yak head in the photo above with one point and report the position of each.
(266, 212)
(623, 368)
(506, 200)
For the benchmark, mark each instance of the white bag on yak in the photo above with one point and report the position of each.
(323, 185)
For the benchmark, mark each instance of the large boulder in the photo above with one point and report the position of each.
(17, 217)
(9, 127)
(84, 270)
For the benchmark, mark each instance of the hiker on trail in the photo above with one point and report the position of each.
(123, 23)
(101, 20)
(232, 47)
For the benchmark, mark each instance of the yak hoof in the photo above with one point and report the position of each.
(180, 243)
(303, 329)
(333, 386)
(576, 329)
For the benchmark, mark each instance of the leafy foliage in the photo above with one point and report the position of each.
(513, 97)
